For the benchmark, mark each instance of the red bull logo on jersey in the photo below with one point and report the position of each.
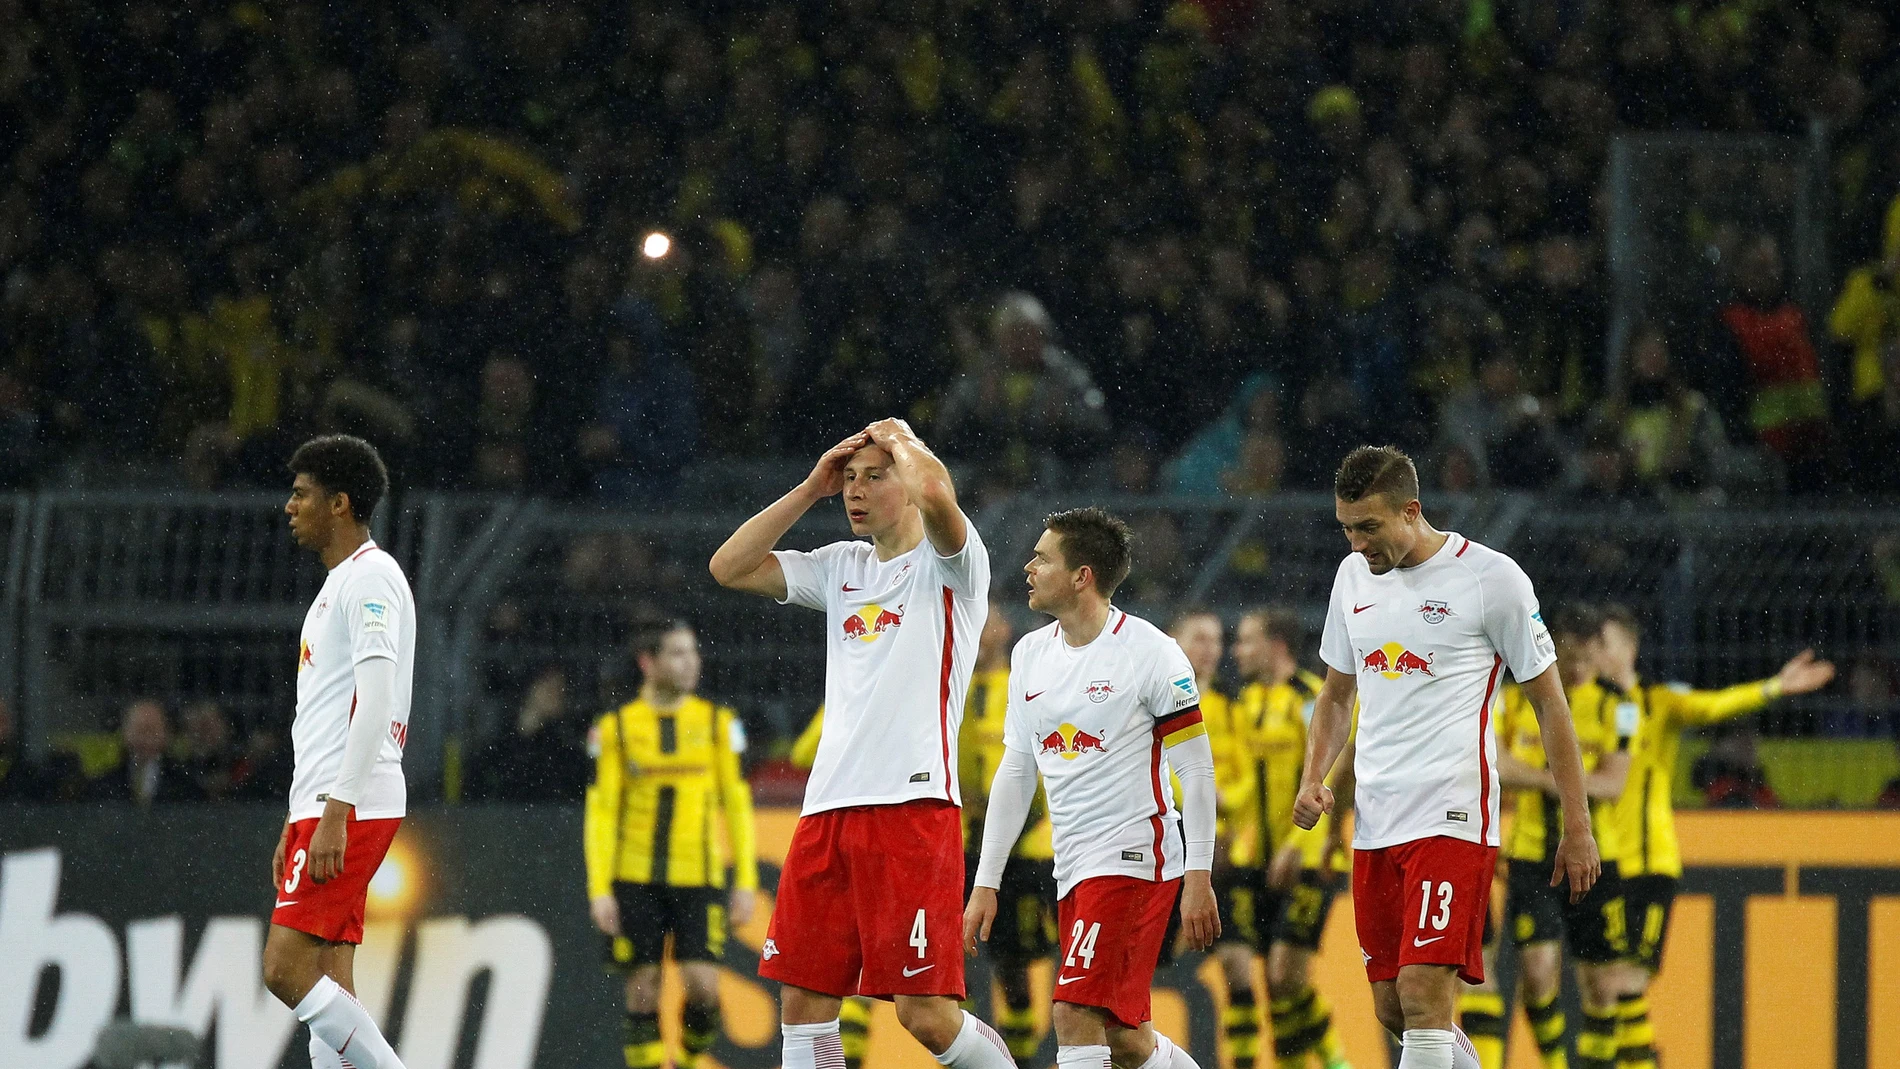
(303, 656)
(1393, 660)
(1435, 612)
(871, 621)
(1071, 742)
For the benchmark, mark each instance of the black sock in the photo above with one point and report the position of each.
(641, 1044)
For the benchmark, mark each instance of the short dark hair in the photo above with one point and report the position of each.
(1092, 537)
(1182, 616)
(649, 636)
(1578, 619)
(1281, 622)
(344, 464)
(1383, 470)
(1615, 612)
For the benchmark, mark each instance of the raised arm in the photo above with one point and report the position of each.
(1325, 740)
(927, 482)
(1576, 858)
(745, 562)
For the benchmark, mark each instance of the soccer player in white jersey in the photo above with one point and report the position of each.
(1422, 626)
(869, 901)
(1102, 704)
(347, 797)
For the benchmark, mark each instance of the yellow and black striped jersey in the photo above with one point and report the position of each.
(1270, 722)
(660, 778)
(1605, 724)
(1645, 815)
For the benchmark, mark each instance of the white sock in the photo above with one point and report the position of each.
(322, 1057)
(341, 1023)
(1463, 1054)
(1092, 1057)
(812, 1046)
(1426, 1048)
(977, 1046)
(1169, 1055)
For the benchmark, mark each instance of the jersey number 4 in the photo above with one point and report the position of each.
(1081, 944)
(1443, 916)
(917, 937)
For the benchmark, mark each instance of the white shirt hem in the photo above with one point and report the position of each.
(812, 808)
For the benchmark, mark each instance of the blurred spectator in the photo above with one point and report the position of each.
(1506, 426)
(1761, 372)
(1673, 435)
(146, 774)
(1731, 776)
(1608, 475)
(644, 423)
(542, 759)
(1022, 402)
(1866, 319)
(209, 757)
(21, 778)
(268, 766)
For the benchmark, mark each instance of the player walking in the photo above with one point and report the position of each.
(1429, 620)
(347, 795)
(867, 901)
(1094, 701)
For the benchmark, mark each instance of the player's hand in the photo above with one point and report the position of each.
(827, 476)
(1284, 870)
(1313, 803)
(886, 431)
(327, 844)
(605, 910)
(1805, 674)
(1200, 917)
(740, 906)
(1577, 862)
(978, 916)
(277, 858)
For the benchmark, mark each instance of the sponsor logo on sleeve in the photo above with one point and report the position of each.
(1185, 693)
(1627, 718)
(375, 615)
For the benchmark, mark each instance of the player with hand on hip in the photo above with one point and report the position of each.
(1421, 627)
(1102, 704)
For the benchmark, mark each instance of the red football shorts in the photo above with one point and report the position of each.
(331, 910)
(1111, 929)
(1423, 903)
(870, 903)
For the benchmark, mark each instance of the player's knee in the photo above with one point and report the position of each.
(701, 980)
(287, 977)
(1286, 971)
(1130, 1046)
(934, 1022)
(1597, 987)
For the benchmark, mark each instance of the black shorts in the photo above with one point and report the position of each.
(1646, 904)
(1246, 907)
(1025, 913)
(1592, 930)
(1303, 909)
(694, 916)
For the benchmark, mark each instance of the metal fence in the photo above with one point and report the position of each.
(109, 596)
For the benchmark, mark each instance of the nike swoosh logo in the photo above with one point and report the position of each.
(1060, 980)
(914, 972)
(1417, 942)
(849, 589)
(1033, 697)
(1360, 609)
(281, 903)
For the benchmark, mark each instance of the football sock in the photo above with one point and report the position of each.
(1168, 1055)
(812, 1046)
(1481, 1015)
(1240, 1024)
(699, 1030)
(1635, 1037)
(854, 1029)
(640, 1041)
(1463, 1054)
(1596, 1042)
(977, 1046)
(1548, 1027)
(1426, 1048)
(341, 1022)
(1330, 1048)
(1019, 1031)
(1301, 1024)
(1090, 1057)
(322, 1057)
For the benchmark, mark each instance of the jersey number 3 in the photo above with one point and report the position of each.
(1443, 916)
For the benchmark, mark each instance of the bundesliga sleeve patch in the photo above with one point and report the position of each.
(1185, 692)
(375, 615)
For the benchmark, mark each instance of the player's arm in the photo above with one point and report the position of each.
(600, 827)
(1325, 741)
(745, 561)
(1517, 774)
(926, 481)
(1184, 739)
(735, 801)
(1576, 858)
(1012, 793)
(1803, 674)
(370, 615)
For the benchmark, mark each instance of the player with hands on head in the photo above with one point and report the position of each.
(1421, 627)
(869, 901)
(1102, 704)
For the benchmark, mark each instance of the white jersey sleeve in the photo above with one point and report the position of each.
(370, 613)
(1335, 642)
(1512, 620)
(808, 574)
(1171, 685)
(967, 571)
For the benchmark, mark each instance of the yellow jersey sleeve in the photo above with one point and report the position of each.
(805, 750)
(1697, 708)
(601, 823)
(735, 802)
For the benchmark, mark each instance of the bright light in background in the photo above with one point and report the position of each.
(656, 245)
(393, 888)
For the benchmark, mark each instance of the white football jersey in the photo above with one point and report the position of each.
(1095, 718)
(900, 641)
(1430, 645)
(364, 610)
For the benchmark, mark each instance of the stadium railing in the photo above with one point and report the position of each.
(108, 596)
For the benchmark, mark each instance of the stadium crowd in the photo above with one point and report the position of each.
(1239, 234)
